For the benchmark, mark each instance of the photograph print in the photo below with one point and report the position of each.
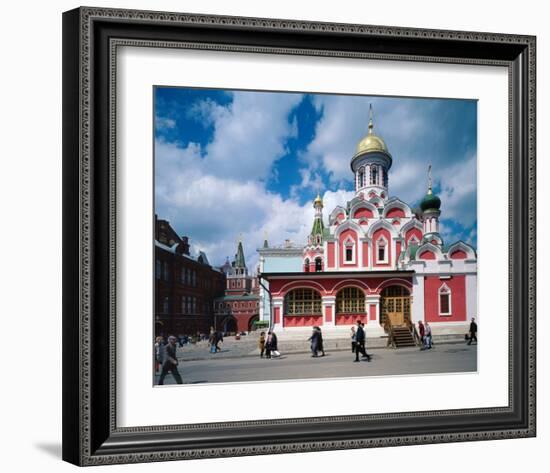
(312, 236)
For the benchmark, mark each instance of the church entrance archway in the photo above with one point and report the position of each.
(229, 325)
(395, 306)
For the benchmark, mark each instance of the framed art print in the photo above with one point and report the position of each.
(285, 236)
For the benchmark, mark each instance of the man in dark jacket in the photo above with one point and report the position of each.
(473, 331)
(360, 342)
(170, 361)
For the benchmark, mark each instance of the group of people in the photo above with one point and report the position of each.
(267, 345)
(358, 342)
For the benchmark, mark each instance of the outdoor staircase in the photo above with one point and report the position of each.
(401, 336)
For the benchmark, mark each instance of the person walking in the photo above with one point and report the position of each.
(353, 339)
(320, 344)
(360, 342)
(170, 361)
(212, 341)
(218, 337)
(421, 333)
(268, 344)
(314, 339)
(473, 331)
(274, 345)
(365, 344)
(427, 336)
(261, 344)
(159, 342)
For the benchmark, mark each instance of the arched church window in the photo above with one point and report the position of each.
(350, 300)
(382, 251)
(444, 300)
(374, 175)
(349, 251)
(318, 264)
(361, 177)
(303, 301)
(306, 265)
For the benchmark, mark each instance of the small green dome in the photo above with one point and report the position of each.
(430, 202)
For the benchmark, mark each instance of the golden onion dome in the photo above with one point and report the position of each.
(371, 142)
(318, 201)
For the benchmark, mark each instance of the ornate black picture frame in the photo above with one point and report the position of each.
(91, 37)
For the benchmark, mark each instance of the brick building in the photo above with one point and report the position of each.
(238, 309)
(185, 285)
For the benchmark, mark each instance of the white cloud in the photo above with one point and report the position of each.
(250, 133)
(164, 123)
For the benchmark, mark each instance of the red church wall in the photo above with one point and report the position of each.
(427, 254)
(331, 254)
(372, 311)
(395, 212)
(331, 286)
(458, 254)
(302, 320)
(457, 285)
(277, 315)
(328, 313)
(413, 232)
(340, 217)
(377, 234)
(363, 212)
(365, 254)
(350, 319)
(398, 248)
(343, 237)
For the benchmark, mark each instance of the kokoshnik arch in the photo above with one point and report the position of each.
(378, 260)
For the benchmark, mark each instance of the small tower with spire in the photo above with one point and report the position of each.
(240, 263)
(371, 164)
(430, 206)
(313, 252)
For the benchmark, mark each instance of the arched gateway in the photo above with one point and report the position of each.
(395, 305)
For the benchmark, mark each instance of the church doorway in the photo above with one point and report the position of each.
(229, 325)
(395, 306)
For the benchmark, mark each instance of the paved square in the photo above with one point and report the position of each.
(451, 358)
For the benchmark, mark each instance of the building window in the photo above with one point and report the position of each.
(382, 251)
(166, 271)
(374, 175)
(318, 264)
(303, 302)
(444, 300)
(166, 305)
(158, 269)
(183, 304)
(306, 265)
(361, 177)
(349, 251)
(350, 300)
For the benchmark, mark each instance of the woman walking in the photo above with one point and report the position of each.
(261, 344)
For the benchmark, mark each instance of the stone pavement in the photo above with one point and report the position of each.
(248, 346)
(450, 358)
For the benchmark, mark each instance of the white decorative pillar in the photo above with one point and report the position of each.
(417, 302)
(372, 308)
(329, 311)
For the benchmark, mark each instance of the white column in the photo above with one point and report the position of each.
(329, 302)
(417, 302)
(471, 297)
(373, 327)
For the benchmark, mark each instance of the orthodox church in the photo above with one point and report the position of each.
(378, 260)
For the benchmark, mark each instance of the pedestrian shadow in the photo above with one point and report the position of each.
(202, 381)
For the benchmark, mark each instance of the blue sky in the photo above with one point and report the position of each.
(232, 164)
